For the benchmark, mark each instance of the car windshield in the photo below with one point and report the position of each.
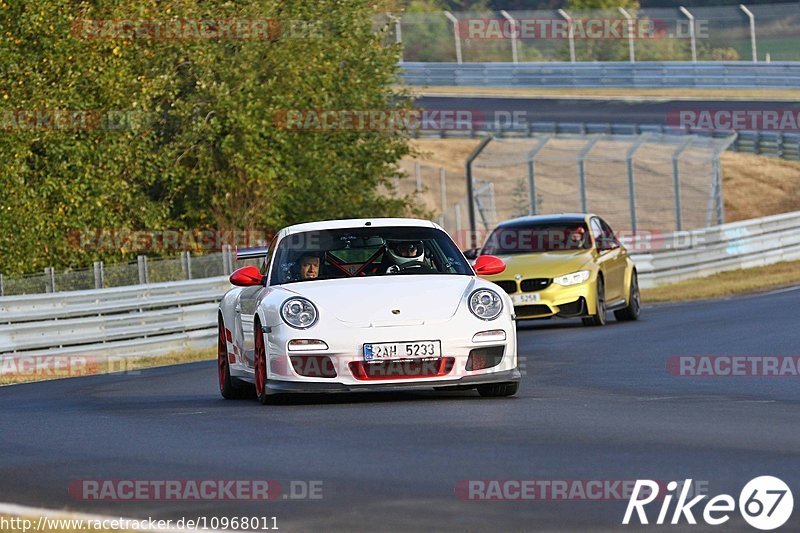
(538, 238)
(365, 251)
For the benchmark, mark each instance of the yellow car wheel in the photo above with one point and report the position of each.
(631, 312)
(599, 318)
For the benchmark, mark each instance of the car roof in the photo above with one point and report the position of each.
(358, 223)
(559, 218)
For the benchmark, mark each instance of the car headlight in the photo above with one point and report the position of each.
(573, 278)
(485, 304)
(299, 313)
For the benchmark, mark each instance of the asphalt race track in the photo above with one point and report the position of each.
(595, 404)
(572, 110)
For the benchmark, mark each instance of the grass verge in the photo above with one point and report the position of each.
(748, 280)
(25, 369)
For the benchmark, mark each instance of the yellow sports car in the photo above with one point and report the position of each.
(567, 265)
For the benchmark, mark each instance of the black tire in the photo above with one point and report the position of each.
(230, 387)
(260, 360)
(598, 319)
(498, 390)
(632, 311)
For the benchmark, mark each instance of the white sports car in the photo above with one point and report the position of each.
(362, 305)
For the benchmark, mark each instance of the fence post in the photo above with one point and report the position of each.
(470, 186)
(692, 36)
(398, 33)
(99, 275)
(631, 184)
(582, 170)
(143, 278)
(50, 279)
(509, 18)
(418, 175)
(455, 34)
(570, 34)
(752, 31)
(443, 188)
(2, 287)
(631, 40)
(676, 179)
(532, 173)
(186, 264)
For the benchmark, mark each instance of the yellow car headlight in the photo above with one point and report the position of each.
(572, 279)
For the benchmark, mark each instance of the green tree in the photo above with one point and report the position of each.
(210, 154)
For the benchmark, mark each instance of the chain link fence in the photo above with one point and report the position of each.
(648, 34)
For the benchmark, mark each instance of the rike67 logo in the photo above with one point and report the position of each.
(765, 503)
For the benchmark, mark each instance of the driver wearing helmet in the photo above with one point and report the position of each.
(405, 255)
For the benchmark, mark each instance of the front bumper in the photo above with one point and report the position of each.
(311, 387)
(555, 300)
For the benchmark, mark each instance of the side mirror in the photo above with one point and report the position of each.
(488, 265)
(248, 276)
(472, 253)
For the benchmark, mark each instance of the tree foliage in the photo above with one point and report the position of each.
(197, 145)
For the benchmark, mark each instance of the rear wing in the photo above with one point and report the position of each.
(252, 253)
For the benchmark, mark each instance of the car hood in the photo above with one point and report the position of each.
(371, 301)
(543, 264)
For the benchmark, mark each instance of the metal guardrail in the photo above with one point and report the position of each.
(126, 321)
(697, 253)
(168, 317)
(710, 74)
(783, 144)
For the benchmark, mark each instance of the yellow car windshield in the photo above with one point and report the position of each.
(537, 238)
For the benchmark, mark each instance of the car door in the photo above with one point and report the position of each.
(246, 310)
(615, 262)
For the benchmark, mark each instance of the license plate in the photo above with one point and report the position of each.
(526, 298)
(402, 350)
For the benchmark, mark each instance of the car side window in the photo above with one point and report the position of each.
(268, 259)
(608, 234)
(597, 234)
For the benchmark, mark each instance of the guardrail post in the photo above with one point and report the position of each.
(49, 279)
(227, 260)
(2, 287)
(143, 277)
(692, 36)
(99, 275)
(752, 31)
(455, 34)
(510, 19)
(570, 34)
(631, 46)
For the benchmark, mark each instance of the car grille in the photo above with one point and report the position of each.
(535, 284)
(509, 286)
(426, 368)
(529, 311)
